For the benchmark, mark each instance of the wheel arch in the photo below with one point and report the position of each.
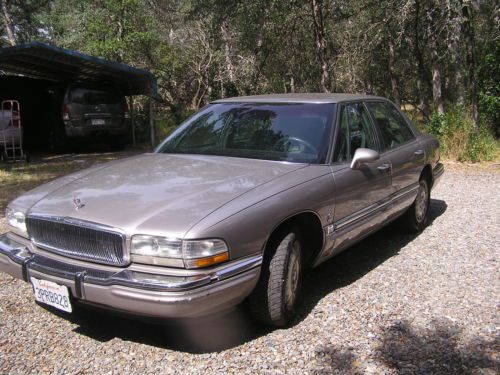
(311, 231)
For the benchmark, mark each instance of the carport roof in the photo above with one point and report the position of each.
(40, 60)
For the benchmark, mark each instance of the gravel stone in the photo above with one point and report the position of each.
(394, 304)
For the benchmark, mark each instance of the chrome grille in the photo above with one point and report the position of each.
(77, 239)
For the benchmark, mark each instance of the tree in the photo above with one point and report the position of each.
(7, 21)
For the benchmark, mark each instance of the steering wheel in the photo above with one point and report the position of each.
(297, 140)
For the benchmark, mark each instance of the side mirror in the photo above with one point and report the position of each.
(364, 156)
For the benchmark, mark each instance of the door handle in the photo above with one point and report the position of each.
(419, 153)
(384, 167)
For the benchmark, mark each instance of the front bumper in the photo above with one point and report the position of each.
(136, 290)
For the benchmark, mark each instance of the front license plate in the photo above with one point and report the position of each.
(98, 121)
(52, 294)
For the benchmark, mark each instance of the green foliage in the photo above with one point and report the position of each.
(488, 73)
(166, 122)
(201, 50)
(459, 139)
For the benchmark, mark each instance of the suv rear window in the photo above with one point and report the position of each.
(87, 96)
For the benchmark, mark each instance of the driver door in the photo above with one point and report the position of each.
(360, 193)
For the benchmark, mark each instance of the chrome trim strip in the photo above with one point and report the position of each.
(374, 208)
(125, 278)
(13, 249)
(438, 171)
(236, 267)
(76, 222)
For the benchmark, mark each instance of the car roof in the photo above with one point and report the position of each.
(298, 98)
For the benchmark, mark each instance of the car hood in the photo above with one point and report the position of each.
(161, 194)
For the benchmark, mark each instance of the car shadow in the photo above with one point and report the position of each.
(352, 264)
(235, 327)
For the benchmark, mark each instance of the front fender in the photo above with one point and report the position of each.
(247, 222)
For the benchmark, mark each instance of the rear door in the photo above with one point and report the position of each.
(399, 145)
(359, 194)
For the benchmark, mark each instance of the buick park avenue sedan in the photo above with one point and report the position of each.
(232, 207)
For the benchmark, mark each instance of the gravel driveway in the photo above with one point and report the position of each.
(395, 304)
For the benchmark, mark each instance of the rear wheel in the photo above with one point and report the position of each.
(417, 216)
(274, 300)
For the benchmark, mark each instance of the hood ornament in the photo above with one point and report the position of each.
(78, 203)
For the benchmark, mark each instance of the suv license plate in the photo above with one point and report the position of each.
(98, 121)
(52, 294)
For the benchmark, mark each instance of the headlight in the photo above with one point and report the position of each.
(178, 253)
(16, 219)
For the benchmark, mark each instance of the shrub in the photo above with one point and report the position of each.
(167, 120)
(165, 124)
(459, 139)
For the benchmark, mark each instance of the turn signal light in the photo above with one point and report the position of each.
(207, 261)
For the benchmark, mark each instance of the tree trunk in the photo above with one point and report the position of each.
(394, 82)
(455, 59)
(436, 72)
(317, 16)
(226, 37)
(469, 47)
(422, 81)
(8, 23)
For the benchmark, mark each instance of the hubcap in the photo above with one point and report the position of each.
(421, 202)
(292, 277)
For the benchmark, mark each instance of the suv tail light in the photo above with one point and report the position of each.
(65, 113)
(126, 111)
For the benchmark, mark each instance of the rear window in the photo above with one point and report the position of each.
(87, 96)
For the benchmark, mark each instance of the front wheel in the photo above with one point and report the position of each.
(274, 300)
(417, 216)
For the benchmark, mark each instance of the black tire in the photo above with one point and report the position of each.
(274, 300)
(416, 217)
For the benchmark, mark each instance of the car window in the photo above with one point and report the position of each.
(355, 131)
(87, 96)
(393, 127)
(295, 132)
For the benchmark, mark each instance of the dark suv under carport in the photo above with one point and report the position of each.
(91, 112)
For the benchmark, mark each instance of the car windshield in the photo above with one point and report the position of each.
(294, 132)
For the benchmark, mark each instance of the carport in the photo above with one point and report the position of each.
(44, 61)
